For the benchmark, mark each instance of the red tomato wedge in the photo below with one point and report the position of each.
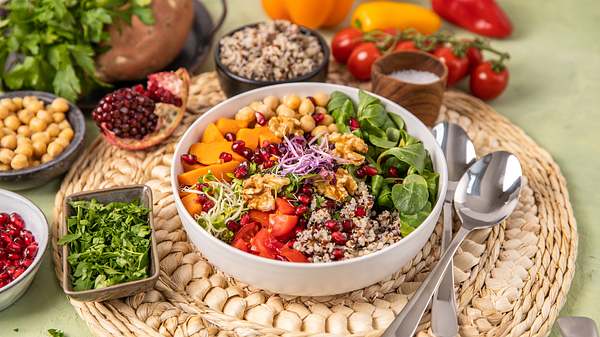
(242, 238)
(292, 255)
(260, 217)
(281, 224)
(263, 244)
(284, 206)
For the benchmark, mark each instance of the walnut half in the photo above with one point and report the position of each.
(259, 191)
(348, 147)
(344, 186)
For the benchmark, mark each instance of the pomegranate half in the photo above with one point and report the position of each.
(138, 118)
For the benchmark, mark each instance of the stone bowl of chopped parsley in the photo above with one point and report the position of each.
(109, 247)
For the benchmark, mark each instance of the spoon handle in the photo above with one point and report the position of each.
(407, 322)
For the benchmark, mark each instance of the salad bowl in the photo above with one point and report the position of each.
(308, 279)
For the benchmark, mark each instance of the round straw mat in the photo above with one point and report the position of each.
(510, 281)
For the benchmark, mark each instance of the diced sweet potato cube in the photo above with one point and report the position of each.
(219, 170)
(208, 153)
(226, 125)
(191, 204)
(249, 136)
(212, 134)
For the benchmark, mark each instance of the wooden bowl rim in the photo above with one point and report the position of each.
(376, 70)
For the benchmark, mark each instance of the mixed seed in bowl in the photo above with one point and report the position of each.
(309, 179)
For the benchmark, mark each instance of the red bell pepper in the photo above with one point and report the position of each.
(483, 17)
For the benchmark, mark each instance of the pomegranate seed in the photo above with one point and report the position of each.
(318, 117)
(332, 225)
(241, 171)
(330, 204)
(245, 219)
(306, 189)
(273, 149)
(3, 219)
(233, 226)
(268, 164)
(201, 198)
(393, 172)
(339, 238)
(17, 220)
(27, 237)
(229, 136)
(360, 211)
(189, 159)
(208, 204)
(347, 225)
(354, 124)
(370, 170)
(360, 172)
(264, 153)
(300, 210)
(18, 271)
(260, 119)
(14, 247)
(31, 251)
(226, 157)
(247, 153)
(13, 256)
(304, 198)
(338, 254)
(27, 262)
(4, 276)
(238, 146)
(257, 158)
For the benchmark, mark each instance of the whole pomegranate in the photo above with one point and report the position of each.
(137, 118)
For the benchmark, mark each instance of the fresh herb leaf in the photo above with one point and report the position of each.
(410, 196)
(413, 154)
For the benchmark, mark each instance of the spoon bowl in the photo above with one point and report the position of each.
(457, 146)
(488, 192)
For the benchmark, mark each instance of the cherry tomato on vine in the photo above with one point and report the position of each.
(361, 60)
(458, 67)
(488, 83)
(344, 42)
(406, 45)
(475, 57)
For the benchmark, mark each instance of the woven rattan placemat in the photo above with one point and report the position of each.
(510, 281)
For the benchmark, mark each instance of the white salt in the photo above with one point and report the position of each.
(414, 76)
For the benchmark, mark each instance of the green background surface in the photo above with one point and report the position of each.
(554, 95)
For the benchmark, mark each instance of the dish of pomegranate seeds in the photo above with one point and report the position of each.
(18, 247)
(309, 179)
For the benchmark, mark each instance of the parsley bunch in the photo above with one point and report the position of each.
(50, 45)
(108, 244)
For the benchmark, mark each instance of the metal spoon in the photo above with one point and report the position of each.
(486, 194)
(460, 154)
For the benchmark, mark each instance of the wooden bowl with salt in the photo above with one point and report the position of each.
(416, 80)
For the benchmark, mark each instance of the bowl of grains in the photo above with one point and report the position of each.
(312, 189)
(267, 53)
(41, 135)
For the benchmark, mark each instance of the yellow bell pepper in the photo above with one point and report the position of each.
(309, 13)
(388, 14)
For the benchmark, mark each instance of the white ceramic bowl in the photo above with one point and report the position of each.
(307, 279)
(35, 221)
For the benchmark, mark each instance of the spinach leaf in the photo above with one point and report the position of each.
(372, 130)
(410, 196)
(408, 222)
(384, 200)
(397, 120)
(383, 143)
(337, 100)
(393, 135)
(412, 154)
(432, 184)
(365, 100)
(376, 185)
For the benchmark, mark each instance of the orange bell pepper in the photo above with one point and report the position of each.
(309, 13)
(389, 14)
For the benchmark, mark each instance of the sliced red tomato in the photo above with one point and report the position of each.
(260, 217)
(242, 238)
(263, 245)
(292, 255)
(281, 225)
(284, 206)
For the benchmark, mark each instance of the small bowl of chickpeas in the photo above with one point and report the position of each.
(41, 135)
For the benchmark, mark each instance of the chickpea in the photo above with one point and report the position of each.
(2, 124)
(321, 98)
(332, 128)
(28, 101)
(46, 158)
(6, 156)
(62, 141)
(8, 131)
(319, 130)
(4, 167)
(67, 134)
(245, 114)
(271, 101)
(39, 149)
(23, 140)
(37, 125)
(12, 122)
(64, 124)
(59, 105)
(45, 116)
(307, 123)
(25, 149)
(35, 106)
(58, 117)
(327, 119)
(292, 101)
(53, 130)
(285, 111)
(18, 101)
(4, 112)
(266, 111)
(25, 116)
(54, 149)
(42, 137)
(24, 131)
(306, 107)
(9, 142)
(19, 161)
(320, 110)
(8, 104)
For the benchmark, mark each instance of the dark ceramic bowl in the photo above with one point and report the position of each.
(233, 84)
(35, 176)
